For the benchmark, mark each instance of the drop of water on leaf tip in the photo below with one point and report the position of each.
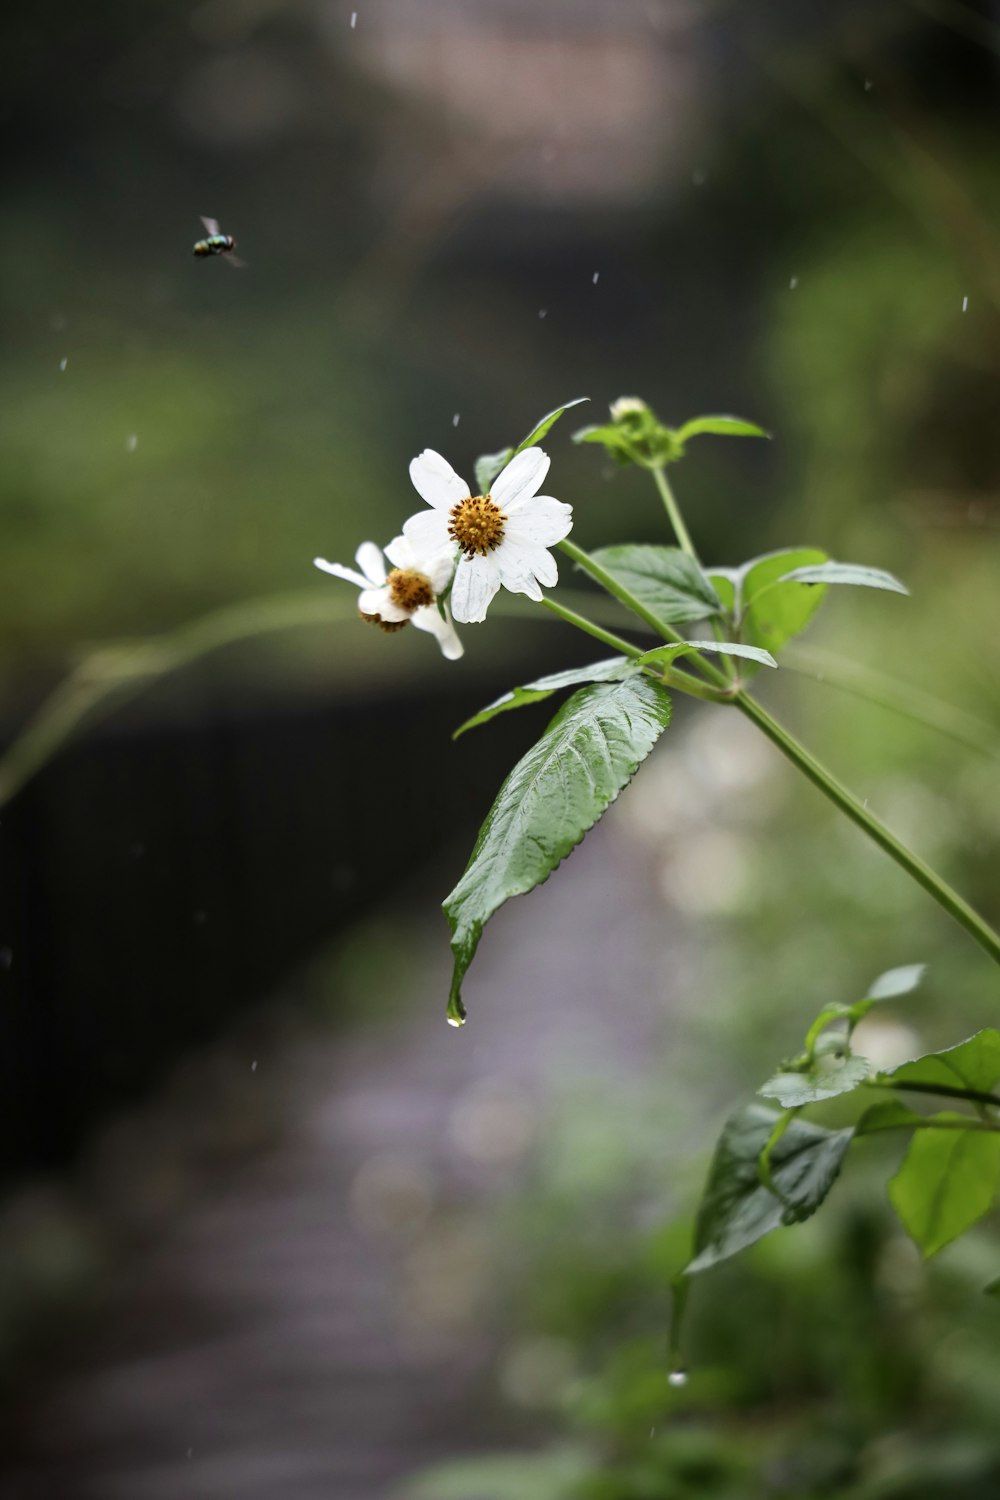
(677, 1378)
(454, 1021)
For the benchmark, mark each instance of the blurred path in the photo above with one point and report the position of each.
(314, 1324)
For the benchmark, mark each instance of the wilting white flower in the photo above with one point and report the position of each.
(502, 537)
(408, 594)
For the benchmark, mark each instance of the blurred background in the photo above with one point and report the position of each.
(267, 1226)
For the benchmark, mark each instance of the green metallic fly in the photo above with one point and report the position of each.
(217, 243)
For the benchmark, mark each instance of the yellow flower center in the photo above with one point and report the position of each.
(409, 590)
(476, 525)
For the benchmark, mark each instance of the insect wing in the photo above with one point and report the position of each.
(211, 225)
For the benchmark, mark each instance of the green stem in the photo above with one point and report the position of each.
(673, 511)
(828, 784)
(673, 676)
(597, 631)
(946, 1091)
(624, 596)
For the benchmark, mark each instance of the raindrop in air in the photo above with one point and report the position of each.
(868, 85)
(454, 420)
(965, 304)
(63, 362)
(354, 19)
(543, 312)
(793, 283)
(6, 958)
(595, 277)
(677, 1377)
(253, 1066)
(131, 443)
(699, 176)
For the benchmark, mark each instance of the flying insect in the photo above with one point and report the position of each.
(217, 243)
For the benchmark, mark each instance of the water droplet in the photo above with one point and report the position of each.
(63, 362)
(454, 420)
(965, 304)
(677, 1378)
(253, 1066)
(190, 1453)
(793, 283)
(595, 276)
(354, 19)
(6, 958)
(652, 1432)
(868, 85)
(131, 443)
(454, 1021)
(543, 312)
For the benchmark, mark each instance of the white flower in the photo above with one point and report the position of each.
(502, 537)
(406, 595)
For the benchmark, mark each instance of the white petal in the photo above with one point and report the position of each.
(543, 521)
(379, 602)
(528, 560)
(400, 553)
(439, 569)
(369, 559)
(339, 571)
(476, 581)
(427, 532)
(429, 619)
(515, 572)
(521, 479)
(435, 480)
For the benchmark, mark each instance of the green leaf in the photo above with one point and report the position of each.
(896, 982)
(721, 426)
(948, 1179)
(548, 421)
(667, 654)
(665, 579)
(736, 1208)
(767, 611)
(972, 1064)
(855, 573)
(793, 1090)
(615, 669)
(555, 793)
(488, 466)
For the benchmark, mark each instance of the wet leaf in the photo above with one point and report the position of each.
(736, 1208)
(553, 796)
(792, 1090)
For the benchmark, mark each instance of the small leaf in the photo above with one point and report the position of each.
(664, 579)
(615, 669)
(793, 1090)
(896, 982)
(766, 610)
(553, 796)
(972, 1064)
(667, 654)
(736, 1208)
(548, 421)
(720, 426)
(855, 573)
(948, 1179)
(488, 466)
